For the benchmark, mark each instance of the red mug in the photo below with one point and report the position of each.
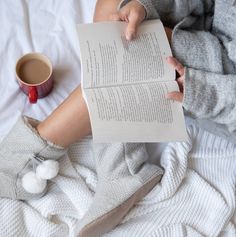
(34, 75)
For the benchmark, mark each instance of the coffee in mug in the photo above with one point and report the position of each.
(34, 74)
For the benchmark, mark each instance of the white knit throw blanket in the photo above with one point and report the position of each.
(196, 196)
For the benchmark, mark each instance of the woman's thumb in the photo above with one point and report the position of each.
(134, 21)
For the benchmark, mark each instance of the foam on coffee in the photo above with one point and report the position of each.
(34, 71)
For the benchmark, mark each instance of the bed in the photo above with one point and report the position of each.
(196, 196)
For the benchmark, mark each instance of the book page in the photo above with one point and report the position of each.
(109, 59)
(135, 113)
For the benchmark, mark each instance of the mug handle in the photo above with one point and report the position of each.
(33, 95)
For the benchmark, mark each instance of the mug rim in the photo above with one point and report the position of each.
(31, 56)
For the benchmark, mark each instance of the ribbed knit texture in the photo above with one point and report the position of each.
(196, 196)
(123, 172)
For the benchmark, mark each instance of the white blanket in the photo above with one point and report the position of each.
(196, 196)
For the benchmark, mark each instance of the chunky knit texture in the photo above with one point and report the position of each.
(124, 177)
(196, 196)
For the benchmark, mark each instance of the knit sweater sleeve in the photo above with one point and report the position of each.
(210, 79)
(173, 11)
(211, 96)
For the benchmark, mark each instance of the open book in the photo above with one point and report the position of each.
(124, 84)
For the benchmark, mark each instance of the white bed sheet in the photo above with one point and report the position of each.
(44, 26)
(49, 27)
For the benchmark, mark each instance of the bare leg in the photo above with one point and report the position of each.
(68, 123)
(22, 146)
(104, 9)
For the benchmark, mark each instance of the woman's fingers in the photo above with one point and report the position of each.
(133, 13)
(175, 95)
(180, 82)
(134, 20)
(176, 65)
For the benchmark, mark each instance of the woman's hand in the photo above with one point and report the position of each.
(133, 13)
(176, 95)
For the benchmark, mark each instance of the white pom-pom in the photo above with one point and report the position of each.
(32, 183)
(48, 169)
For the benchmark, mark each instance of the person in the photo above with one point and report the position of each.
(30, 151)
(200, 41)
(202, 34)
(28, 157)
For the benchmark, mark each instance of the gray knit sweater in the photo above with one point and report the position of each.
(204, 40)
